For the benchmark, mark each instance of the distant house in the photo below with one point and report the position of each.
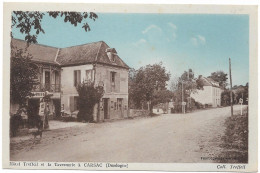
(210, 95)
(61, 69)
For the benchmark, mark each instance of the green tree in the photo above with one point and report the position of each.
(220, 77)
(225, 98)
(29, 22)
(162, 96)
(89, 96)
(147, 82)
(22, 74)
(241, 92)
(183, 86)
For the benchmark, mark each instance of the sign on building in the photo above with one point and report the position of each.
(41, 109)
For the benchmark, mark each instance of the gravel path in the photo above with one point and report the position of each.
(166, 138)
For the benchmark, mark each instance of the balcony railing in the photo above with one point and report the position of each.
(46, 87)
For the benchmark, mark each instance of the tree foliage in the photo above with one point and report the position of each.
(22, 74)
(241, 92)
(89, 96)
(29, 23)
(146, 82)
(225, 98)
(186, 82)
(220, 77)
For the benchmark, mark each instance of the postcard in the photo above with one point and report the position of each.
(130, 87)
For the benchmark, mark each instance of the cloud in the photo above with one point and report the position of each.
(172, 26)
(173, 29)
(139, 42)
(151, 27)
(202, 39)
(198, 40)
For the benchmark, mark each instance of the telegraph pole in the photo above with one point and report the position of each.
(231, 96)
(182, 98)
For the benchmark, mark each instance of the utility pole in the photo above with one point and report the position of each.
(231, 96)
(182, 100)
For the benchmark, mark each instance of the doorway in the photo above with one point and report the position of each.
(120, 106)
(33, 111)
(106, 113)
(57, 106)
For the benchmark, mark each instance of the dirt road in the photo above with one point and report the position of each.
(166, 138)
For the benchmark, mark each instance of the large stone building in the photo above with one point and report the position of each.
(61, 69)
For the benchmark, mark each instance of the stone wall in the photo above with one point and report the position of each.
(138, 113)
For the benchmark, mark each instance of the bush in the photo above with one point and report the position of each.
(198, 105)
(89, 95)
(235, 140)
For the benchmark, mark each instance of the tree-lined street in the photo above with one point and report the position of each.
(165, 138)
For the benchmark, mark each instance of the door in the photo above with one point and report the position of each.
(106, 113)
(57, 106)
(120, 106)
(47, 80)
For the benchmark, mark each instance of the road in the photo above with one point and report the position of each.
(181, 138)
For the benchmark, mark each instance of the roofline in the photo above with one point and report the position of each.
(44, 62)
(36, 43)
(77, 64)
(83, 44)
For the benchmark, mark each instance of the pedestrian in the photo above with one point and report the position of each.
(46, 117)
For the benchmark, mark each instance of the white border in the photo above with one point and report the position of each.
(221, 9)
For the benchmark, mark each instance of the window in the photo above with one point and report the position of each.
(77, 77)
(113, 57)
(113, 76)
(88, 75)
(113, 80)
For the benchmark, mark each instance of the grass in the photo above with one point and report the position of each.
(235, 140)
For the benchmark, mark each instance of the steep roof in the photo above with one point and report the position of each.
(40, 53)
(81, 54)
(88, 53)
(206, 81)
(71, 56)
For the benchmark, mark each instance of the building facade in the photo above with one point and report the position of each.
(48, 78)
(67, 67)
(210, 95)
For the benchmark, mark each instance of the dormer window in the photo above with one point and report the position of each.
(111, 53)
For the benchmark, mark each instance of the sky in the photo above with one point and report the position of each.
(202, 42)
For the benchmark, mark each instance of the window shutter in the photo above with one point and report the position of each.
(79, 77)
(75, 78)
(117, 82)
(71, 103)
(108, 81)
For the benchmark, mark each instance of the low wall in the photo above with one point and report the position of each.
(138, 113)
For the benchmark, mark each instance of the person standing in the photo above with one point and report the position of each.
(46, 117)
